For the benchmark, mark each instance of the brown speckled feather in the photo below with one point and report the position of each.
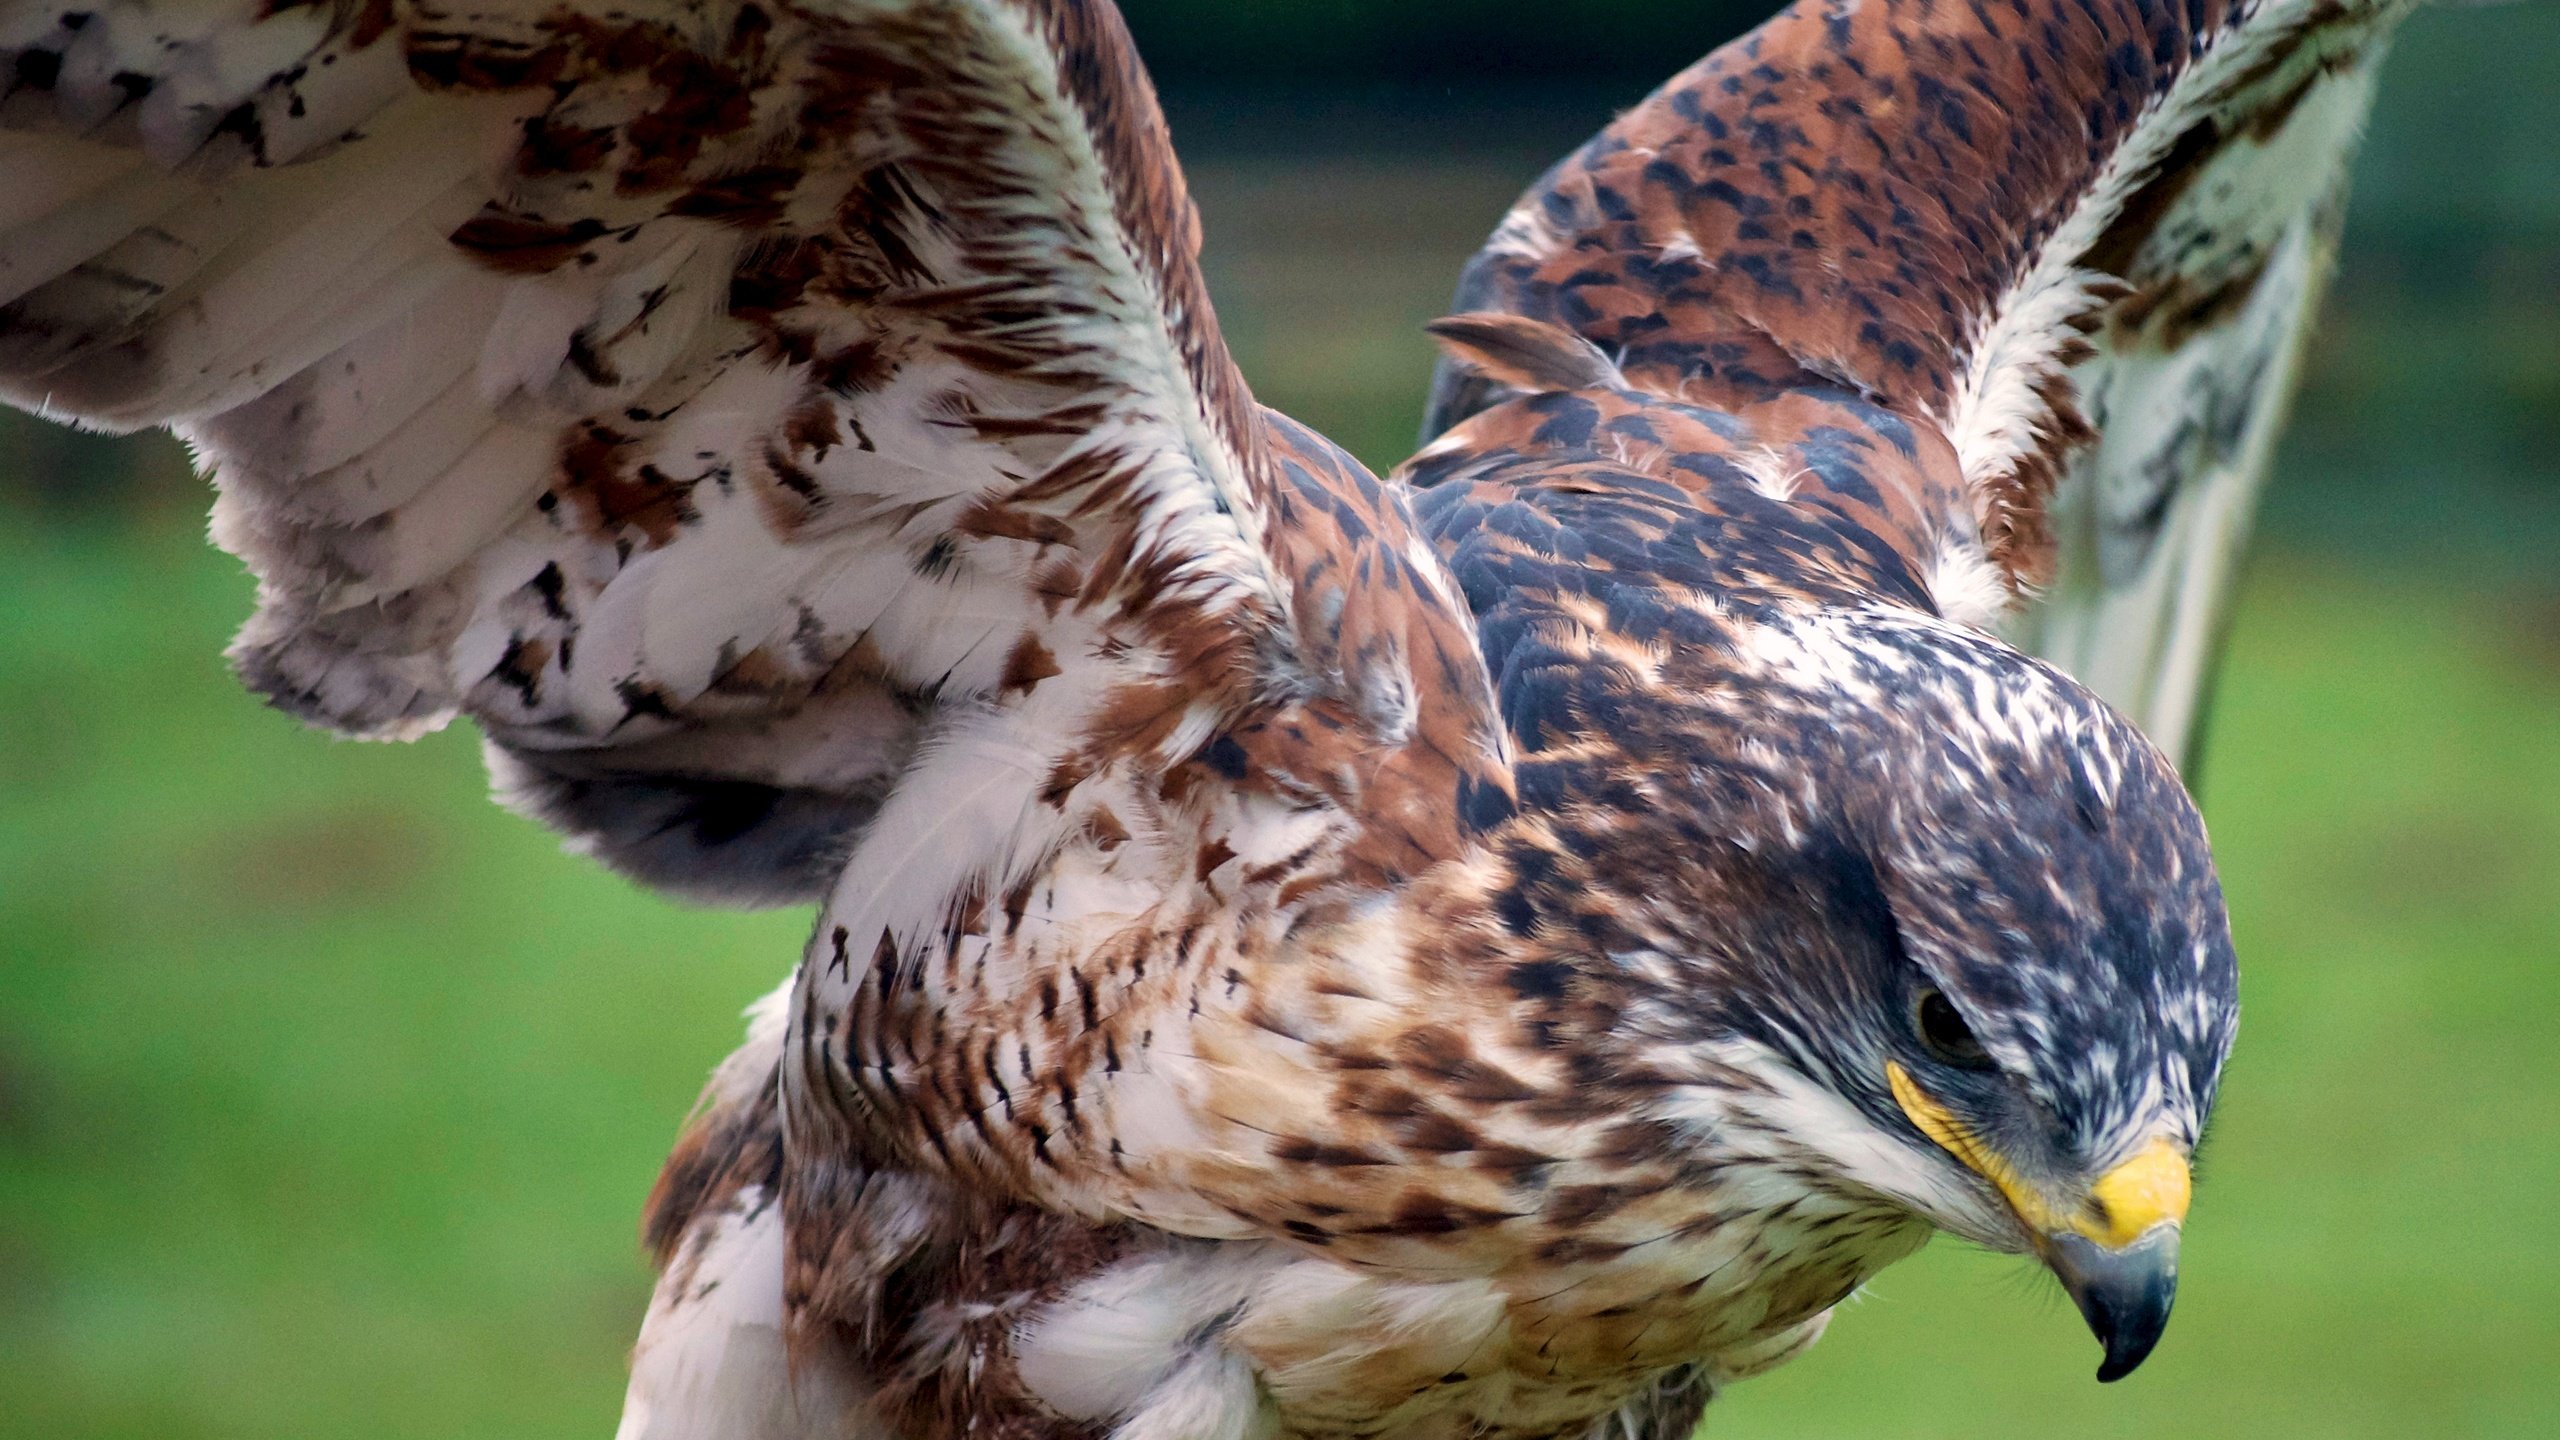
(1945, 209)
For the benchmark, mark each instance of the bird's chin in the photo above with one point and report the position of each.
(1935, 1206)
(1861, 1156)
(1975, 1219)
(1958, 1204)
(1991, 1227)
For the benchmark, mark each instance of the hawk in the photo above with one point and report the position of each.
(1499, 951)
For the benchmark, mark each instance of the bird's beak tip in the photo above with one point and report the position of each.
(2125, 1294)
(2115, 1250)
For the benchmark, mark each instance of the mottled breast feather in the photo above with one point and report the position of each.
(2019, 224)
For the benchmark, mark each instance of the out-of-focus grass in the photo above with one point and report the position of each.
(327, 1091)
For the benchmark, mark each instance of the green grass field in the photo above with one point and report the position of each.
(329, 1093)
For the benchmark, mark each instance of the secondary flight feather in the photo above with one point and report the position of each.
(1501, 951)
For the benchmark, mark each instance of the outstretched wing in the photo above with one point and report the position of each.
(2208, 280)
(697, 395)
(798, 436)
(2082, 238)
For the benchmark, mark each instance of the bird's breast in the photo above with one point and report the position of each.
(1535, 1348)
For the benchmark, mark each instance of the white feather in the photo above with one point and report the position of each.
(49, 173)
(712, 1362)
(362, 430)
(90, 223)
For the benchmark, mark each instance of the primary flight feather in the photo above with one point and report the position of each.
(1499, 952)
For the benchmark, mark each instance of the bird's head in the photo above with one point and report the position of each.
(1965, 933)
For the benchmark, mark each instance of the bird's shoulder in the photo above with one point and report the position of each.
(1614, 542)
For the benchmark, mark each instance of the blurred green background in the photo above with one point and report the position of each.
(328, 1093)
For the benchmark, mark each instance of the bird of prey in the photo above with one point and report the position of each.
(1500, 951)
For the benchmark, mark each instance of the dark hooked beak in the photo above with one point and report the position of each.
(2124, 1294)
(2113, 1245)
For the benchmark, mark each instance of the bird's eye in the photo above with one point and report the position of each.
(1944, 1032)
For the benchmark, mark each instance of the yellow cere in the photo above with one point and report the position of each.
(2143, 1193)
(2126, 1203)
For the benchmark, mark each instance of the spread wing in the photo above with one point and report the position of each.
(2209, 280)
(798, 437)
(2081, 239)
(700, 397)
